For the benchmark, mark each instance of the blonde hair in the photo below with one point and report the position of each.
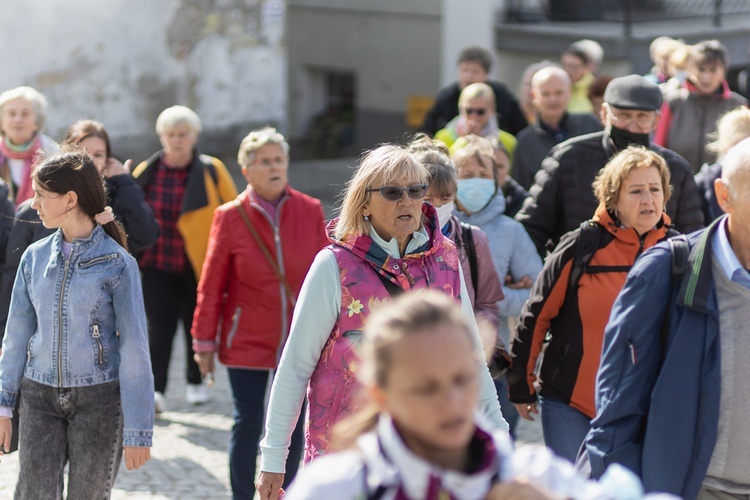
(385, 165)
(732, 127)
(256, 140)
(473, 146)
(176, 116)
(29, 94)
(609, 181)
(477, 90)
(421, 311)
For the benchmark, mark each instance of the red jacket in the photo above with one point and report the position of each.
(240, 299)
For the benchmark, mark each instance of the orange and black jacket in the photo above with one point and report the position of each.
(574, 317)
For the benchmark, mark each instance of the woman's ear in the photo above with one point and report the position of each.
(71, 199)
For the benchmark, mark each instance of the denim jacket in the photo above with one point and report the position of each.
(72, 321)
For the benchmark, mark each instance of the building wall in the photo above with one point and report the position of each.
(124, 61)
(391, 46)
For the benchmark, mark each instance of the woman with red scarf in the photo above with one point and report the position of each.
(21, 120)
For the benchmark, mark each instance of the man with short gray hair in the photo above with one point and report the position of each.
(673, 402)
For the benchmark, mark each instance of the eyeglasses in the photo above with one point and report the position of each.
(270, 162)
(475, 111)
(643, 121)
(394, 193)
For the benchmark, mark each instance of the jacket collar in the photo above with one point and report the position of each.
(723, 92)
(629, 235)
(370, 247)
(195, 189)
(697, 284)
(80, 245)
(391, 464)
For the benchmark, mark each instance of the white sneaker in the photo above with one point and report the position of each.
(196, 394)
(160, 404)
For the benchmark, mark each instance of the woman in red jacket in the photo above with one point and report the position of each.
(260, 248)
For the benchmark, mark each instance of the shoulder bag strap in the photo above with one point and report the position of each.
(471, 254)
(266, 252)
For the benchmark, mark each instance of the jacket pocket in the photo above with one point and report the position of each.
(101, 259)
(235, 325)
(98, 345)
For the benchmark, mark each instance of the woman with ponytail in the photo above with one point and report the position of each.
(420, 436)
(77, 347)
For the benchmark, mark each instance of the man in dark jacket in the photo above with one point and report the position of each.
(561, 196)
(550, 90)
(474, 66)
(673, 402)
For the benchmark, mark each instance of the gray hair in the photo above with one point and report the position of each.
(256, 140)
(29, 94)
(176, 116)
(735, 169)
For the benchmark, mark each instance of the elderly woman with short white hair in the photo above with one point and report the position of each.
(386, 242)
(261, 246)
(21, 120)
(183, 187)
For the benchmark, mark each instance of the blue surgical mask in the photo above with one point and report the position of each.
(474, 194)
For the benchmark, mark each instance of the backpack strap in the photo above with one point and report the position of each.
(586, 247)
(679, 248)
(393, 289)
(471, 254)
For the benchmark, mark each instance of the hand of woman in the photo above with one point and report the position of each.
(525, 410)
(114, 167)
(523, 283)
(205, 361)
(136, 456)
(6, 433)
(269, 485)
(516, 490)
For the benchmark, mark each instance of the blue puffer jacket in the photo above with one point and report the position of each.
(659, 415)
(81, 322)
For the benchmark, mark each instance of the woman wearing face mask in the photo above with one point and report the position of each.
(570, 304)
(482, 282)
(21, 121)
(689, 115)
(480, 202)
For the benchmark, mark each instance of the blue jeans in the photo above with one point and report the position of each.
(564, 427)
(248, 395)
(510, 414)
(79, 425)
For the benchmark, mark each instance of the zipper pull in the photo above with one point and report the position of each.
(96, 331)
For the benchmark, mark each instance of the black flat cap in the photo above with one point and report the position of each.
(633, 92)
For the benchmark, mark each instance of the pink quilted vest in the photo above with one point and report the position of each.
(334, 390)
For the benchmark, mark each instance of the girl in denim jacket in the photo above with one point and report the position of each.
(76, 313)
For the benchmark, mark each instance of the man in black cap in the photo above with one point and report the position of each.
(562, 197)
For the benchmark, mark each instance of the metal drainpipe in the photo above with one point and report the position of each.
(717, 13)
(628, 22)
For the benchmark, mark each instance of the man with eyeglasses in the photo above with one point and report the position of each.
(561, 196)
(474, 65)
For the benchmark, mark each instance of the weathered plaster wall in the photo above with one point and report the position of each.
(123, 61)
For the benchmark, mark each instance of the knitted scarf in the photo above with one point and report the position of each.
(27, 153)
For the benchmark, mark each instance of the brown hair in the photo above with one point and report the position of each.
(75, 171)
(608, 182)
(83, 129)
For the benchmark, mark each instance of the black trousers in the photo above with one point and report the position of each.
(169, 297)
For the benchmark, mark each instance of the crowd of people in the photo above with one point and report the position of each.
(516, 257)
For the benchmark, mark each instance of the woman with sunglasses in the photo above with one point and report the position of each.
(385, 242)
(476, 116)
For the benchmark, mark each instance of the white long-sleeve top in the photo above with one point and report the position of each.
(315, 315)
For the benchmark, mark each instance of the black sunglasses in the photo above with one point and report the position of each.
(475, 111)
(394, 193)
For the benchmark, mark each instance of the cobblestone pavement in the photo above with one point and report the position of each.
(189, 460)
